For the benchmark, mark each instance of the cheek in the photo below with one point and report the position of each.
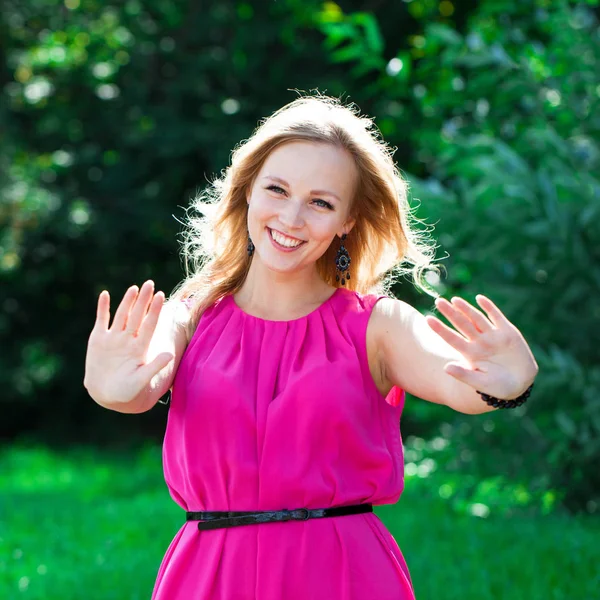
(325, 225)
(261, 206)
(256, 211)
(323, 231)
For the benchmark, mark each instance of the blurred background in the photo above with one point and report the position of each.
(113, 115)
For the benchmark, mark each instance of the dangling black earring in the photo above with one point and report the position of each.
(342, 262)
(250, 247)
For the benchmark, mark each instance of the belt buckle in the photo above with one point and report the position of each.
(305, 514)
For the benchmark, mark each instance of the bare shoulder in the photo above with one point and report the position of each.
(179, 316)
(390, 311)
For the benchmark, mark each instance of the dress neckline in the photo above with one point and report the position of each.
(321, 306)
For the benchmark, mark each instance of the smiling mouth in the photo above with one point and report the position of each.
(296, 245)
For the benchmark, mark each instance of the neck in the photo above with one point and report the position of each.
(270, 294)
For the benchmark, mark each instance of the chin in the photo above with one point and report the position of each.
(281, 264)
(280, 269)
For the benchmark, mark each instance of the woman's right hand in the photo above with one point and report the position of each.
(115, 364)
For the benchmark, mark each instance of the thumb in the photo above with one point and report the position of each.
(161, 361)
(475, 379)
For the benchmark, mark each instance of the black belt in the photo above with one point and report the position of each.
(216, 519)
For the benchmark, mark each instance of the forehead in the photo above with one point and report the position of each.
(311, 165)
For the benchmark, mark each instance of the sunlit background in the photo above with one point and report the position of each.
(113, 114)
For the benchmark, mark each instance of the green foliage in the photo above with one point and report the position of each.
(113, 114)
(507, 137)
(353, 38)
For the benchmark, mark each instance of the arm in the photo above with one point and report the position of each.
(436, 363)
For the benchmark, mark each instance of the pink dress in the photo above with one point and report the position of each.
(272, 415)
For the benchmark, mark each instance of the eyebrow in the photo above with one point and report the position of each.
(313, 192)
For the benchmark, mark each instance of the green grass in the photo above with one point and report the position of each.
(95, 526)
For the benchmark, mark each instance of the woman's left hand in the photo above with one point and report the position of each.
(497, 359)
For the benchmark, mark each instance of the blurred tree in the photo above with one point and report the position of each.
(508, 132)
(112, 114)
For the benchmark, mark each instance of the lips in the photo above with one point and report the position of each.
(281, 247)
(285, 235)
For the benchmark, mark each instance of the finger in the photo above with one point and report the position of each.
(450, 336)
(103, 311)
(140, 307)
(475, 379)
(477, 318)
(462, 323)
(122, 313)
(148, 326)
(493, 312)
(147, 372)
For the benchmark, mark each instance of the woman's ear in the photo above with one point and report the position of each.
(348, 226)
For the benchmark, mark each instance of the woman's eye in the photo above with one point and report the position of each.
(280, 190)
(325, 203)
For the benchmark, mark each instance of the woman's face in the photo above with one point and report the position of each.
(303, 191)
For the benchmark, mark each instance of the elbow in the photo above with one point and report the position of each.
(476, 410)
(471, 405)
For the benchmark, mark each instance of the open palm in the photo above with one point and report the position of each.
(115, 368)
(497, 359)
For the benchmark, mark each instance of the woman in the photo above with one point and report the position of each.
(288, 364)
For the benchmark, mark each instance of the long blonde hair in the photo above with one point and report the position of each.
(383, 243)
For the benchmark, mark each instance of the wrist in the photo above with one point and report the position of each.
(507, 403)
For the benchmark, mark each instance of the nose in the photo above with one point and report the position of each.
(291, 217)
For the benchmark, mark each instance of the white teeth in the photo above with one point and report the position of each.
(284, 241)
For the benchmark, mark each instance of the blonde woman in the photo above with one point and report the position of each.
(288, 360)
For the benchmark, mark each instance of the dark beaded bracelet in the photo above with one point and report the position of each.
(497, 403)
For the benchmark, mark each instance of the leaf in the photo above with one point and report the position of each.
(331, 13)
(589, 214)
(566, 424)
(373, 36)
(351, 52)
(476, 60)
(336, 33)
(517, 164)
(443, 33)
(369, 63)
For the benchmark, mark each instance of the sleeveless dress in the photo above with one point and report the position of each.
(272, 415)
